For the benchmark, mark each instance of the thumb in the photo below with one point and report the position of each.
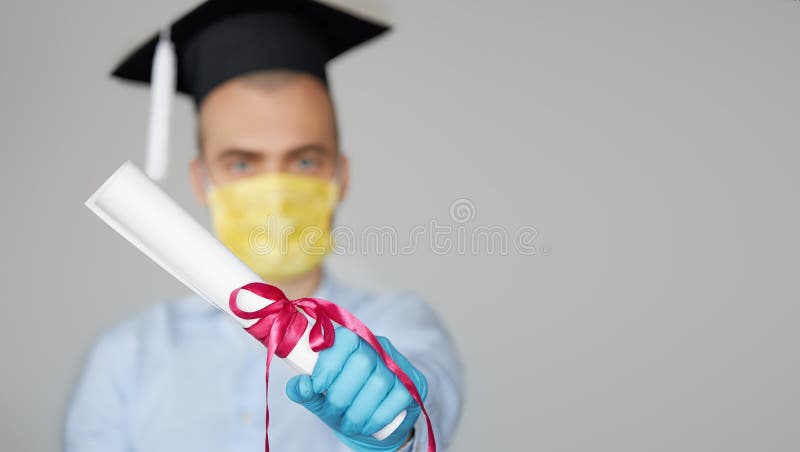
(300, 390)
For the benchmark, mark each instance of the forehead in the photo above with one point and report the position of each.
(269, 113)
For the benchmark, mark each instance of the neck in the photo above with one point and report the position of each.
(302, 286)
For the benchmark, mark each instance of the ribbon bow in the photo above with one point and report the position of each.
(281, 324)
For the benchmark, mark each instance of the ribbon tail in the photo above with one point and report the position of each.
(270, 351)
(272, 342)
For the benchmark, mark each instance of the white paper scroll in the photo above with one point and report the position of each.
(142, 213)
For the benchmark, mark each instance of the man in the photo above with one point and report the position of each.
(183, 376)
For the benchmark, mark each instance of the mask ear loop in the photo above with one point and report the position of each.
(337, 172)
(208, 184)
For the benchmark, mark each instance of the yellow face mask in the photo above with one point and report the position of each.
(276, 223)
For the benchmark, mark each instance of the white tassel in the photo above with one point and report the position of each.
(162, 91)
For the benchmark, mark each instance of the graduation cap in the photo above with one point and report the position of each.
(222, 39)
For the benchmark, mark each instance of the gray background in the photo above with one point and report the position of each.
(652, 144)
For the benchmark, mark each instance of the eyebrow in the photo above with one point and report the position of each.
(230, 153)
(245, 154)
(313, 147)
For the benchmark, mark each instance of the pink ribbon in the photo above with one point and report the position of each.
(280, 326)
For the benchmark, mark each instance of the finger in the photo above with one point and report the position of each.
(396, 401)
(299, 390)
(398, 357)
(332, 360)
(417, 377)
(352, 378)
(368, 400)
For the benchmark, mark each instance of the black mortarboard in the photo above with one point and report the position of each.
(221, 39)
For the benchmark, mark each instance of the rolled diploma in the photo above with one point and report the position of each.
(147, 217)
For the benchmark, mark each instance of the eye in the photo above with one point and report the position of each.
(240, 166)
(307, 164)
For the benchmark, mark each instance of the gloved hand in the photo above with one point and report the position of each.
(353, 391)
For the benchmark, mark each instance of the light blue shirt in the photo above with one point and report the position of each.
(184, 376)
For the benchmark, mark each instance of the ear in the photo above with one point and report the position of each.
(344, 176)
(197, 173)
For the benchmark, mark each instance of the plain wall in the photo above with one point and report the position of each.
(653, 145)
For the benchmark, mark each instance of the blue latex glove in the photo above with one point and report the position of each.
(353, 391)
